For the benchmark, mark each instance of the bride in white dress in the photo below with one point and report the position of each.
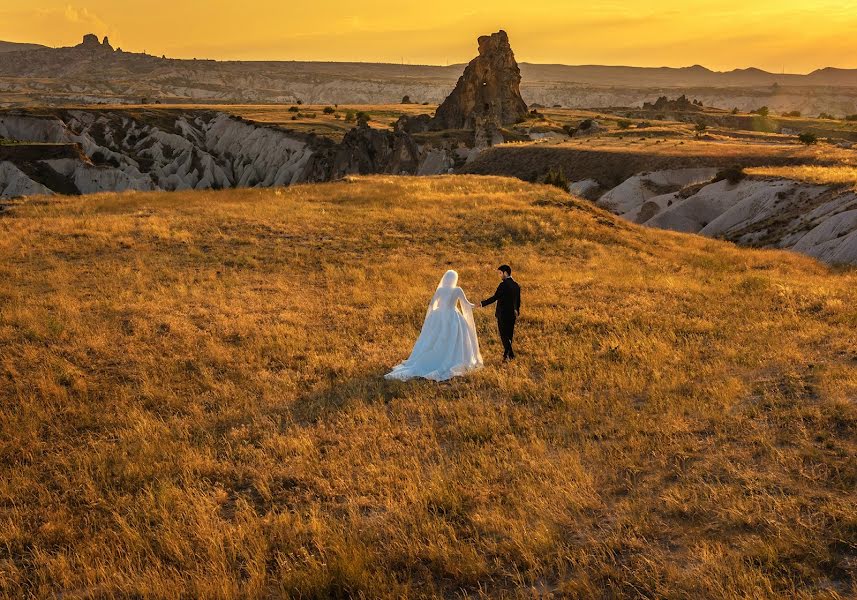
(447, 345)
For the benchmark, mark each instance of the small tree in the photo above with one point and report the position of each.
(624, 123)
(735, 111)
(349, 116)
(825, 115)
(363, 118)
(700, 128)
(406, 99)
(807, 138)
(294, 109)
(731, 174)
(762, 111)
(557, 178)
(329, 110)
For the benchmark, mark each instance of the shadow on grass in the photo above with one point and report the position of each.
(341, 394)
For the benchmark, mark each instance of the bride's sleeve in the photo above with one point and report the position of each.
(464, 300)
(431, 305)
(467, 311)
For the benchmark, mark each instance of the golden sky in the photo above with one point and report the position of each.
(776, 35)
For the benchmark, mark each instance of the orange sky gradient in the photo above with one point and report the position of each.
(773, 35)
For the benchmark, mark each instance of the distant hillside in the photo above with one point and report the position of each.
(92, 73)
(695, 76)
(16, 46)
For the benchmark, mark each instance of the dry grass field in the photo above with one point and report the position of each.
(192, 402)
(844, 175)
(610, 160)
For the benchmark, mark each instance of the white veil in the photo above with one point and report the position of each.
(449, 281)
(444, 348)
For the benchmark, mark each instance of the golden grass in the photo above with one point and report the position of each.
(843, 175)
(610, 160)
(192, 402)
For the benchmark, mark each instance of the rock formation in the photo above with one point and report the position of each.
(489, 89)
(90, 42)
(364, 151)
(680, 103)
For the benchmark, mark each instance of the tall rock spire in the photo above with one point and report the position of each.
(488, 91)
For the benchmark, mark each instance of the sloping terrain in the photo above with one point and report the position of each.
(18, 46)
(655, 175)
(192, 402)
(163, 149)
(686, 185)
(819, 220)
(154, 148)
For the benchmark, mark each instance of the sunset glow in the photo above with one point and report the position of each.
(770, 34)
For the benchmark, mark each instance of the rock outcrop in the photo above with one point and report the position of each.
(487, 92)
(90, 42)
(680, 103)
(86, 151)
(817, 220)
(365, 150)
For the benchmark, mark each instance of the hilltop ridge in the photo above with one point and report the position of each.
(190, 403)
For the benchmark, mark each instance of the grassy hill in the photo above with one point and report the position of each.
(192, 402)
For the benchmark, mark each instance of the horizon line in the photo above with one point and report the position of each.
(450, 64)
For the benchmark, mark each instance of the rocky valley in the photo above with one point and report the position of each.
(673, 164)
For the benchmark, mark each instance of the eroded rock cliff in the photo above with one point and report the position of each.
(488, 91)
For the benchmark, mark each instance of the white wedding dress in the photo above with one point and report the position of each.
(447, 345)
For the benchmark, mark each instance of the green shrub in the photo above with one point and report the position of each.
(350, 116)
(329, 110)
(293, 109)
(624, 123)
(556, 177)
(762, 111)
(731, 174)
(807, 138)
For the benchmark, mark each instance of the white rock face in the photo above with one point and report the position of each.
(437, 161)
(14, 182)
(632, 193)
(584, 188)
(90, 179)
(197, 150)
(817, 220)
(834, 240)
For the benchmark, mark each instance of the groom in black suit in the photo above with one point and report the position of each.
(508, 299)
